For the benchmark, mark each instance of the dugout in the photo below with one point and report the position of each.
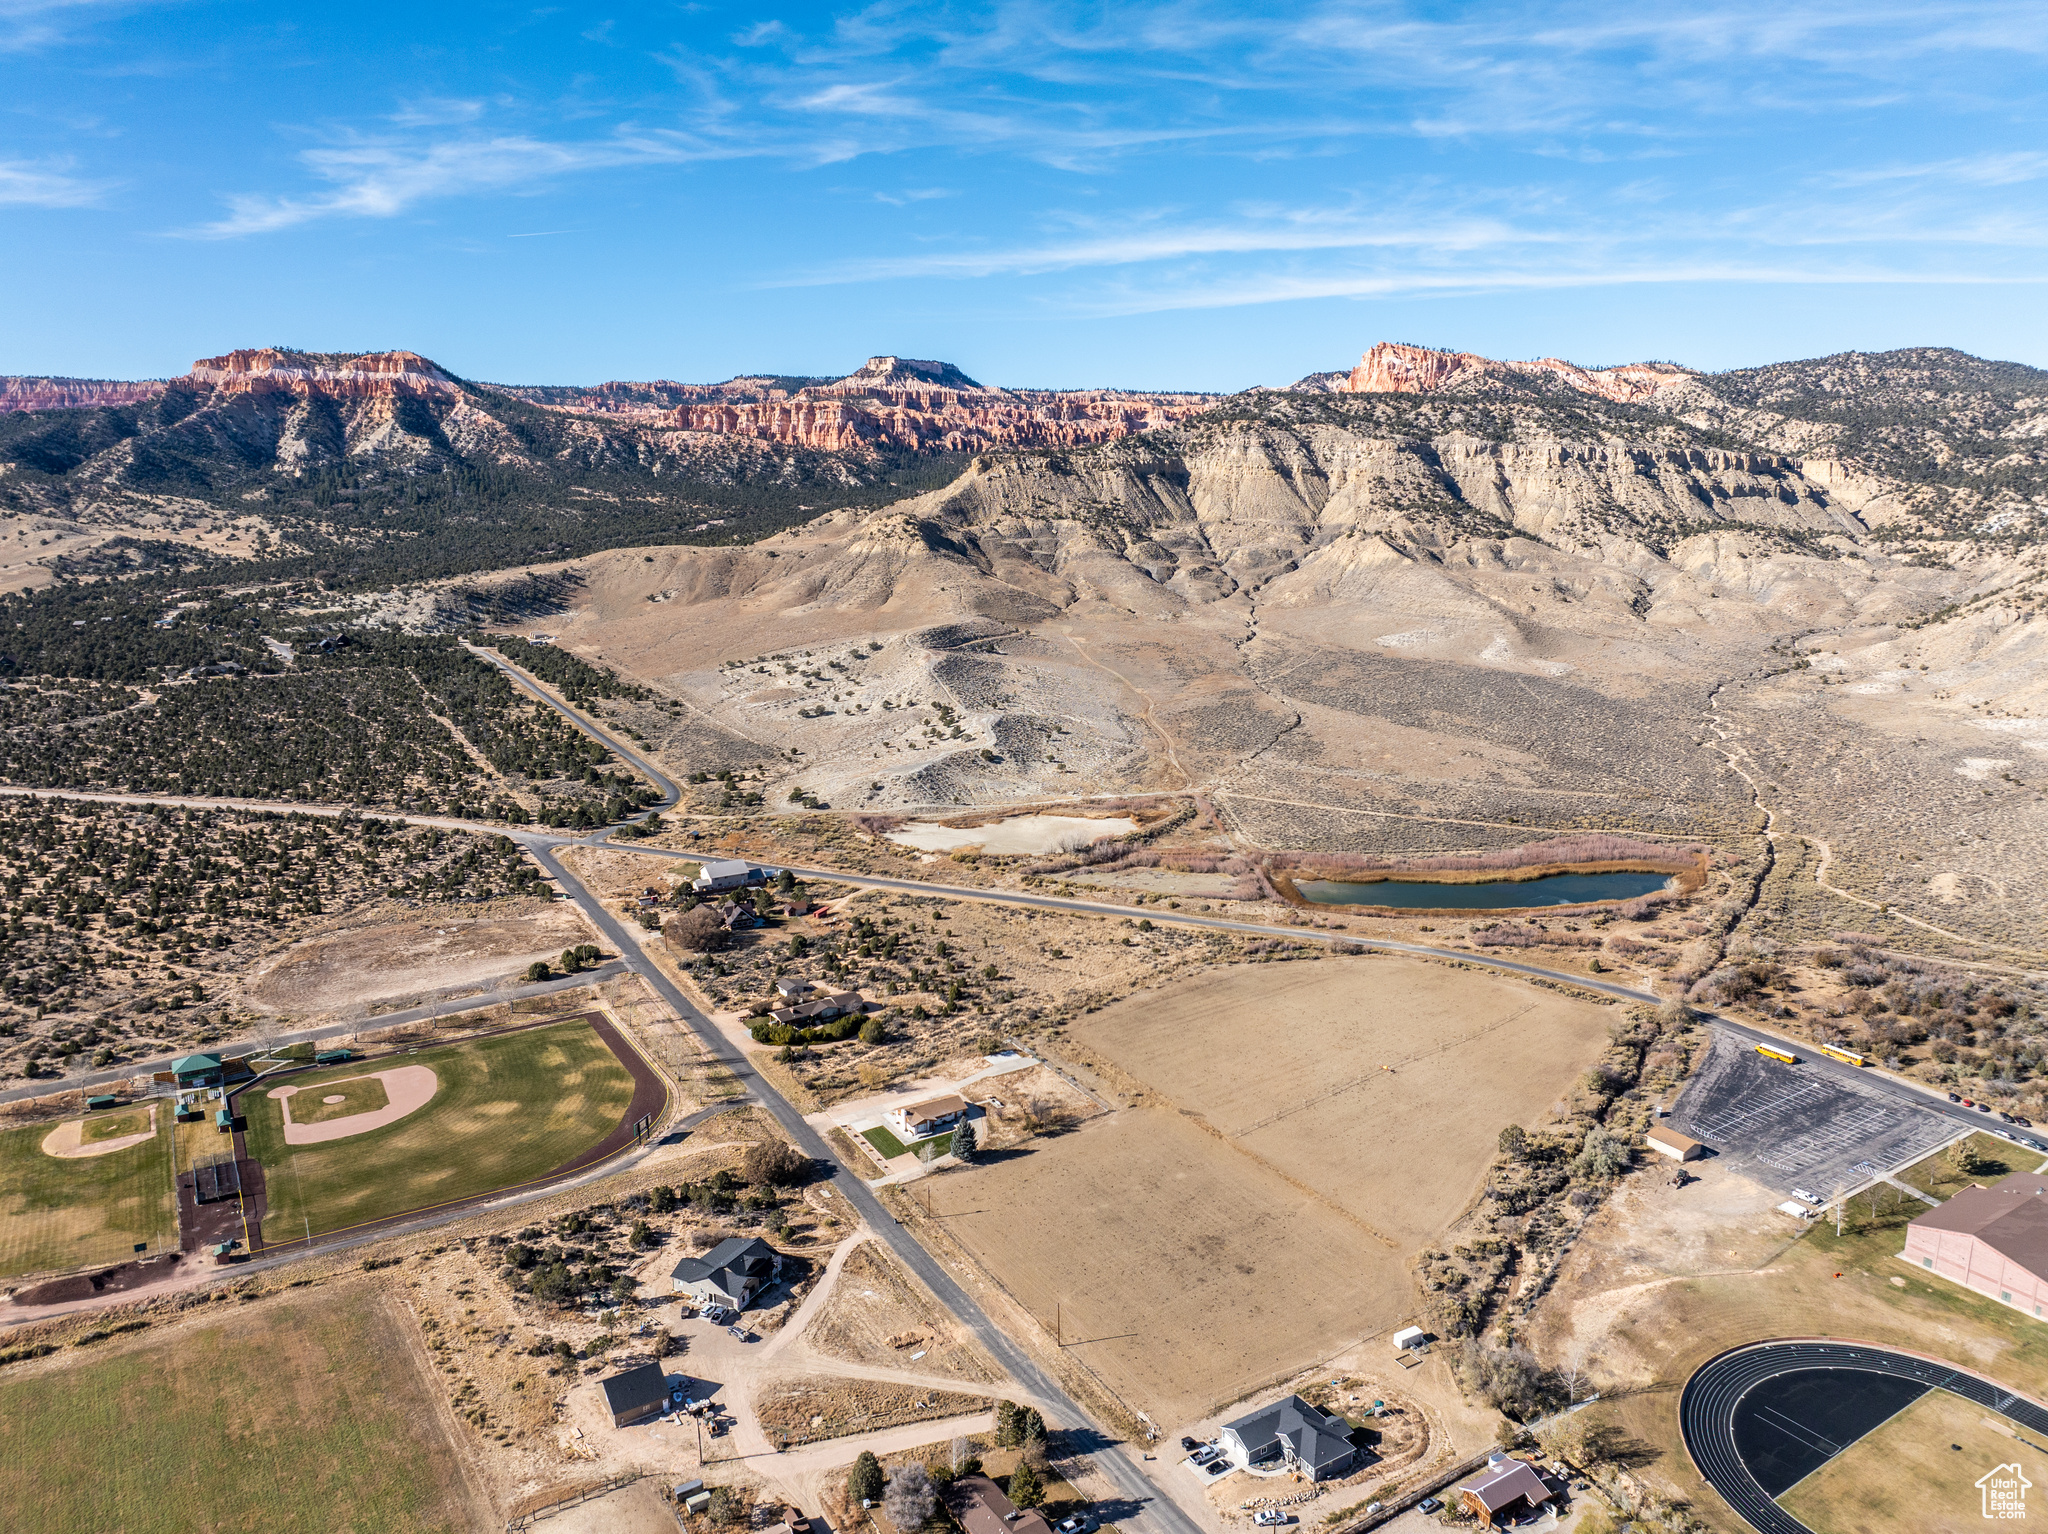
(106, 1100)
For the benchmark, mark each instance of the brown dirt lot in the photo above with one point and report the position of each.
(393, 960)
(1337, 1074)
(1185, 1271)
(803, 1410)
(878, 1314)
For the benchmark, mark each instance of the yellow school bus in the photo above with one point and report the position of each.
(1771, 1053)
(1846, 1056)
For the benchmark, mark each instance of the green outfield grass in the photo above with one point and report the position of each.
(116, 1125)
(508, 1109)
(58, 1213)
(304, 1415)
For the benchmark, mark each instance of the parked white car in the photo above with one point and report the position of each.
(1272, 1518)
(1808, 1198)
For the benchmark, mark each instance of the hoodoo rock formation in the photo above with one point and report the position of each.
(337, 375)
(25, 393)
(1394, 368)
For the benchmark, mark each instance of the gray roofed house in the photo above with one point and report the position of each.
(636, 1394)
(731, 1273)
(1290, 1431)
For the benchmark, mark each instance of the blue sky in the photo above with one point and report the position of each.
(1186, 195)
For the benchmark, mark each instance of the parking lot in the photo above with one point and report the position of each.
(1789, 1126)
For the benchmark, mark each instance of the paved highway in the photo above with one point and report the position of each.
(1707, 1408)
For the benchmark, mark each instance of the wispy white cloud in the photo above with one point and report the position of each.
(436, 112)
(32, 24)
(47, 184)
(377, 178)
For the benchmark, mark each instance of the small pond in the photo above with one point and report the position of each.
(1018, 835)
(1494, 895)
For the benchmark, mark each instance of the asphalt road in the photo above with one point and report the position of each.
(528, 683)
(1861, 1079)
(1122, 1471)
(1707, 1409)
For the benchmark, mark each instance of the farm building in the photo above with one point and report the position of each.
(935, 1115)
(636, 1395)
(731, 1273)
(1993, 1240)
(1669, 1142)
(982, 1508)
(722, 874)
(1508, 1490)
(1290, 1435)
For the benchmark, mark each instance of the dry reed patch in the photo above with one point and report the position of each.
(1380, 1084)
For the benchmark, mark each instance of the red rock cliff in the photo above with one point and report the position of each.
(21, 393)
(1392, 368)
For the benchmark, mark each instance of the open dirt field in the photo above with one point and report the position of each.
(1185, 1272)
(304, 1415)
(813, 1407)
(345, 971)
(1918, 1471)
(510, 1107)
(1379, 1084)
(878, 1314)
(59, 1212)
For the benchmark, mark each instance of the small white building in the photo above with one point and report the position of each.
(1410, 1337)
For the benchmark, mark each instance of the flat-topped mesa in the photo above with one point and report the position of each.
(335, 375)
(1394, 368)
(25, 393)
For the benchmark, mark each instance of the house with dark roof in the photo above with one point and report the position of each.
(636, 1395)
(1993, 1240)
(1290, 1435)
(732, 1273)
(981, 1508)
(1508, 1489)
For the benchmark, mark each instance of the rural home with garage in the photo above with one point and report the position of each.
(935, 1115)
(1290, 1435)
(636, 1395)
(1508, 1489)
(731, 1273)
(722, 874)
(982, 1508)
(1993, 1240)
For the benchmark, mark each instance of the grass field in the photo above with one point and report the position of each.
(882, 1140)
(365, 1094)
(112, 1126)
(1909, 1474)
(1938, 1175)
(302, 1415)
(508, 1109)
(887, 1143)
(77, 1212)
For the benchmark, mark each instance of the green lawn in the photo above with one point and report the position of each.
(116, 1125)
(57, 1213)
(1937, 1174)
(365, 1094)
(1916, 1472)
(508, 1109)
(1873, 1243)
(885, 1142)
(305, 1415)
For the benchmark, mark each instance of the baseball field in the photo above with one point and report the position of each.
(62, 1212)
(1300, 1132)
(305, 1414)
(505, 1110)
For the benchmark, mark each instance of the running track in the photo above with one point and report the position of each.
(1706, 1411)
